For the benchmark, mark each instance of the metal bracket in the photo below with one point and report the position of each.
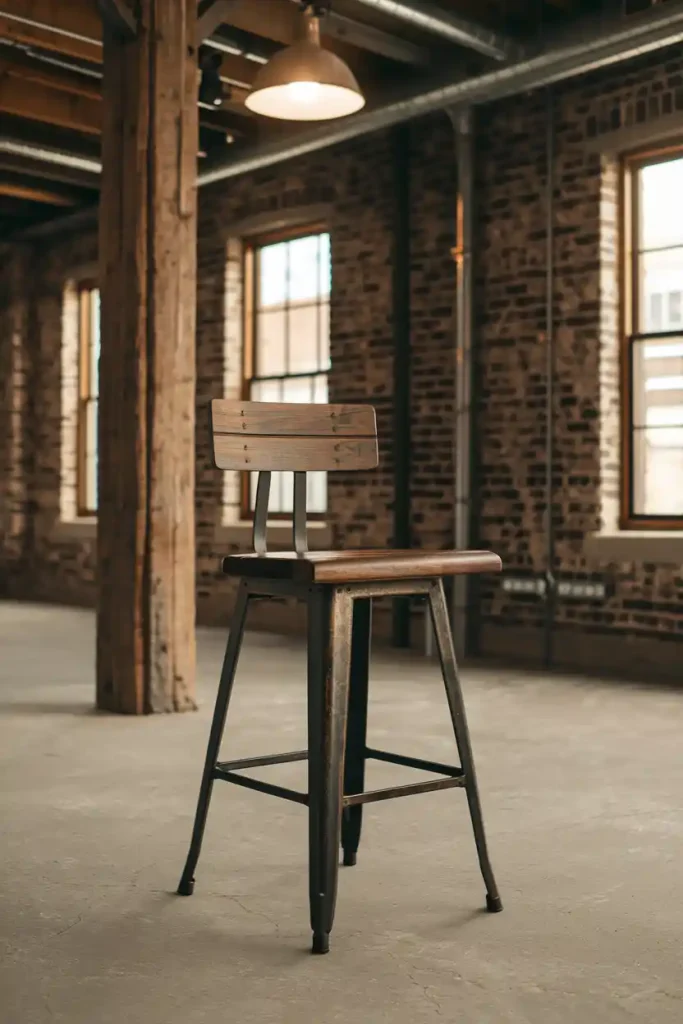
(261, 513)
(319, 8)
(119, 17)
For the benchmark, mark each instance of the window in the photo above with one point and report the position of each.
(652, 492)
(88, 358)
(287, 342)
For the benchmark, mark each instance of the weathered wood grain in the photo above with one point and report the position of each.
(339, 567)
(146, 558)
(293, 420)
(295, 454)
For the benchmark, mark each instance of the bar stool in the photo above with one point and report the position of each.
(338, 588)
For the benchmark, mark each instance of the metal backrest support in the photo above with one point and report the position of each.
(267, 437)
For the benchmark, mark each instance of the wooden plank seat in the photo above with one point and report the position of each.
(359, 566)
(338, 588)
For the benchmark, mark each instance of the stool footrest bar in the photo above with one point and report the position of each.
(413, 762)
(265, 759)
(259, 786)
(418, 787)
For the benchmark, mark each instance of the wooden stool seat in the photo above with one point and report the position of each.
(359, 566)
(338, 589)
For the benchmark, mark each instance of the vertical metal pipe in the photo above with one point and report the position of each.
(550, 582)
(462, 425)
(402, 367)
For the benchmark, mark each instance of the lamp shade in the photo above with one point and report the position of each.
(304, 82)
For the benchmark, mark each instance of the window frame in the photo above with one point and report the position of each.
(250, 248)
(85, 289)
(629, 316)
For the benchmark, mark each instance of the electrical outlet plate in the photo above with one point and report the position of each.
(571, 590)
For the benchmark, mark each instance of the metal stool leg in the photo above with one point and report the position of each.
(329, 651)
(457, 708)
(354, 763)
(232, 651)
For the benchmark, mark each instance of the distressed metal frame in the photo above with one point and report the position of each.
(339, 630)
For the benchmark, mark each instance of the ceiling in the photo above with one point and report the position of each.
(51, 76)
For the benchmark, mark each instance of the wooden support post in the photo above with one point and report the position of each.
(146, 542)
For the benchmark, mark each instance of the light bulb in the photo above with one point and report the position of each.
(304, 92)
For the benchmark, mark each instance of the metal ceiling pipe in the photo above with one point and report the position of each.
(660, 26)
(550, 397)
(451, 27)
(50, 156)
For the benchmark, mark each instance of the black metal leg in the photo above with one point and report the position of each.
(354, 762)
(455, 702)
(329, 652)
(232, 651)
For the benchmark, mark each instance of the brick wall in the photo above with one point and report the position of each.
(592, 114)
(353, 184)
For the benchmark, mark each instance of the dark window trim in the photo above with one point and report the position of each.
(629, 319)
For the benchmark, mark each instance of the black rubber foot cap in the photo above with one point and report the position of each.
(494, 904)
(186, 887)
(350, 859)
(321, 944)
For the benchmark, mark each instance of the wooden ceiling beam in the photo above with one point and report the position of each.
(272, 19)
(73, 28)
(15, 190)
(374, 40)
(29, 70)
(238, 70)
(38, 102)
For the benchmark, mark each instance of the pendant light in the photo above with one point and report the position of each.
(305, 82)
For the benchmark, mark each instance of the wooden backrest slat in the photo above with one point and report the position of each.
(297, 438)
(293, 420)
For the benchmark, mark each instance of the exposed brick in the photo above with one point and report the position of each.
(356, 182)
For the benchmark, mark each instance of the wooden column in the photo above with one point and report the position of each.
(148, 224)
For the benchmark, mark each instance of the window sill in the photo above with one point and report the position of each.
(75, 529)
(664, 546)
(278, 534)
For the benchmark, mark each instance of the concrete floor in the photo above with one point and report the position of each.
(582, 788)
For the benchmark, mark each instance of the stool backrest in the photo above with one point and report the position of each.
(269, 436)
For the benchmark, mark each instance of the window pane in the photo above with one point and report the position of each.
(325, 267)
(320, 389)
(287, 492)
(303, 339)
(297, 389)
(94, 341)
(660, 273)
(291, 342)
(91, 457)
(655, 321)
(270, 343)
(661, 209)
(266, 391)
(325, 336)
(658, 470)
(316, 497)
(303, 268)
(658, 383)
(658, 427)
(272, 275)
